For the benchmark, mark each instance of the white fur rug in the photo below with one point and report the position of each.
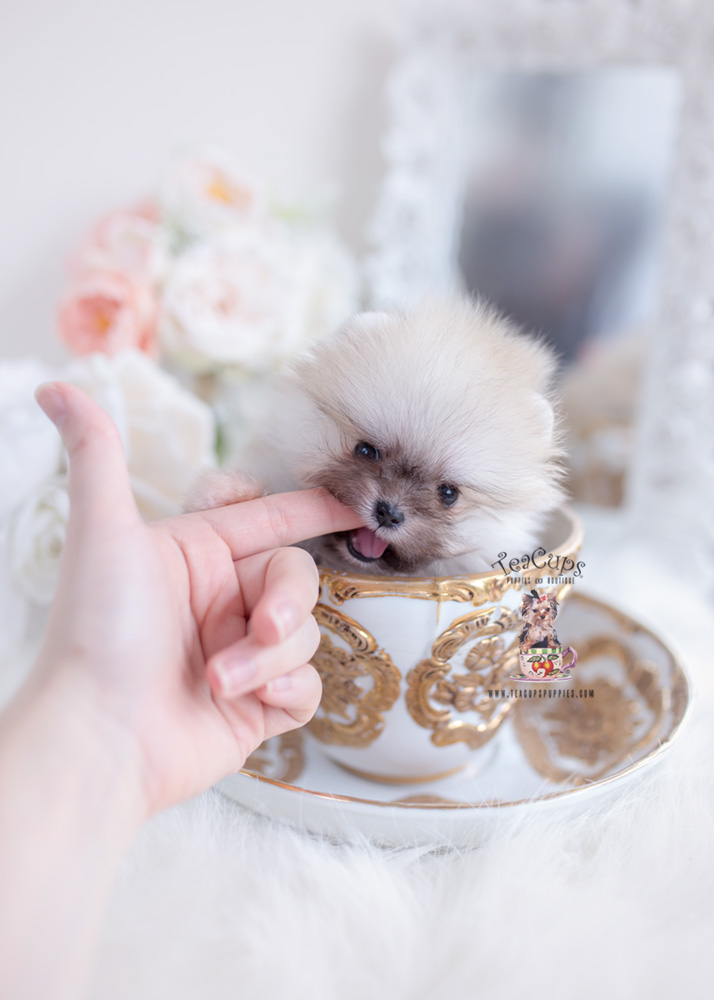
(214, 902)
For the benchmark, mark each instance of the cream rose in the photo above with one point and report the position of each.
(15, 614)
(168, 434)
(35, 538)
(238, 301)
(207, 194)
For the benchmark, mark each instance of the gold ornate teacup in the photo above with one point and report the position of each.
(413, 668)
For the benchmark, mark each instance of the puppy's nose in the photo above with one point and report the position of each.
(387, 516)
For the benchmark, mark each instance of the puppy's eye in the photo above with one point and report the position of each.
(448, 494)
(368, 451)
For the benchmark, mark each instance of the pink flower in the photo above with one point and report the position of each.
(107, 312)
(130, 240)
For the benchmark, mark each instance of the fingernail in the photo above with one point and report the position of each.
(51, 401)
(236, 674)
(287, 618)
(281, 683)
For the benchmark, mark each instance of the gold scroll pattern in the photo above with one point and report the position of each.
(351, 714)
(281, 758)
(579, 740)
(440, 692)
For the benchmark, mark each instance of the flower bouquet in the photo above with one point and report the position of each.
(177, 312)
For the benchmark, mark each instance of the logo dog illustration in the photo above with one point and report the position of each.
(541, 654)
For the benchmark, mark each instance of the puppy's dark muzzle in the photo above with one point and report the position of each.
(387, 516)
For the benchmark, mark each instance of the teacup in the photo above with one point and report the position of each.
(414, 668)
(546, 664)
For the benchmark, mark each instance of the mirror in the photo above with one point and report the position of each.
(526, 155)
(565, 185)
(566, 177)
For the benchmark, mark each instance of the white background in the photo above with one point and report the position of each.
(96, 97)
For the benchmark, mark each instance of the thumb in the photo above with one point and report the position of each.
(99, 489)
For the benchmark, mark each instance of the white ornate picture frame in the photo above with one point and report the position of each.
(414, 235)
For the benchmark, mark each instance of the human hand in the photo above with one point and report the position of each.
(184, 643)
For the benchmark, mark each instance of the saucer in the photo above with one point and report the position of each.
(562, 747)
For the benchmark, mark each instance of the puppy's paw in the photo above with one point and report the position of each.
(218, 487)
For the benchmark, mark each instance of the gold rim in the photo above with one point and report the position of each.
(387, 780)
(664, 743)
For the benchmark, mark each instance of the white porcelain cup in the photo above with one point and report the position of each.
(414, 668)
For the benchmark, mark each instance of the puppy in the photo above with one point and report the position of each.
(538, 613)
(437, 425)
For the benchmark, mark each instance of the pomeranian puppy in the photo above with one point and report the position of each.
(436, 425)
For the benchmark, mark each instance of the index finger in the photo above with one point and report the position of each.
(280, 519)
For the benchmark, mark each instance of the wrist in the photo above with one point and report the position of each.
(69, 808)
(72, 757)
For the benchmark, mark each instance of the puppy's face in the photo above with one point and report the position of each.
(411, 509)
(435, 426)
(539, 611)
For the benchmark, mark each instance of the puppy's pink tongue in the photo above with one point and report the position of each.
(367, 543)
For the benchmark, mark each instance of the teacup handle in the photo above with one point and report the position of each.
(569, 649)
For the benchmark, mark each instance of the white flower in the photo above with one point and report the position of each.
(15, 611)
(30, 447)
(168, 433)
(35, 539)
(237, 301)
(207, 194)
(329, 277)
(254, 299)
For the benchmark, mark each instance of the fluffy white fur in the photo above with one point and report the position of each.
(448, 393)
(217, 487)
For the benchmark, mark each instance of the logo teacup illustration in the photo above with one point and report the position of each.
(541, 654)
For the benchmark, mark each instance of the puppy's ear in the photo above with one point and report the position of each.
(526, 603)
(370, 321)
(543, 417)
